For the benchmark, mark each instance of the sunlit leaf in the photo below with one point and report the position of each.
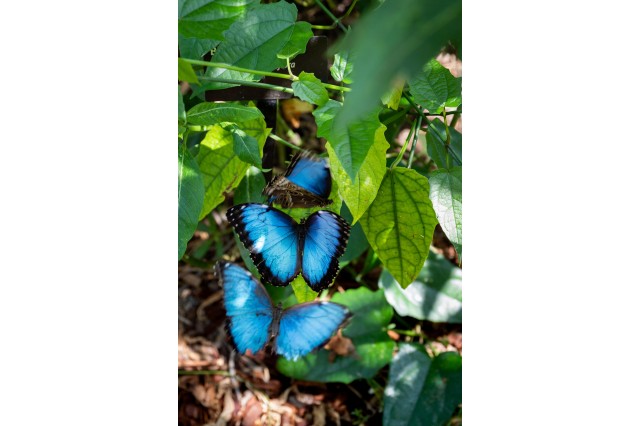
(373, 347)
(310, 89)
(422, 391)
(446, 196)
(220, 167)
(360, 193)
(435, 88)
(400, 222)
(302, 290)
(342, 67)
(190, 197)
(185, 72)
(435, 295)
(208, 19)
(350, 143)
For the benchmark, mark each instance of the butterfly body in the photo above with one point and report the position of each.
(281, 248)
(306, 183)
(254, 321)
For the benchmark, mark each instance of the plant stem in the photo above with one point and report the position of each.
(203, 373)
(395, 116)
(284, 142)
(415, 142)
(248, 83)
(234, 68)
(419, 110)
(289, 77)
(326, 10)
(413, 131)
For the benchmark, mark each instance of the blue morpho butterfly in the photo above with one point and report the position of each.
(282, 248)
(254, 321)
(306, 183)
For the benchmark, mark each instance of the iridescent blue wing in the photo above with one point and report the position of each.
(306, 183)
(308, 326)
(271, 237)
(311, 173)
(325, 240)
(248, 307)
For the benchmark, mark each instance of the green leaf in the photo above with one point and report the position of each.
(407, 34)
(195, 48)
(298, 42)
(185, 72)
(357, 241)
(350, 143)
(302, 291)
(342, 67)
(208, 19)
(392, 97)
(360, 193)
(399, 223)
(250, 188)
(436, 139)
(190, 197)
(446, 196)
(182, 115)
(373, 347)
(436, 88)
(310, 89)
(254, 42)
(421, 391)
(209, 113)
(436, 295)
(246, 147)
(220, 167)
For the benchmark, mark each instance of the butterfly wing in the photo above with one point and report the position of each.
(248, 307)
(308, 326)
(311, 173)
(326, 236)
(306, 183)
(271, 237)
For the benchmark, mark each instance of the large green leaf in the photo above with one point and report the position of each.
(209, 113)
(350, 143)
(446, 196)
(392, 42)
(310, 89)
(436, 295)
(220, 167)
(195, 48)
(436, 88)
(190, 197)
(436, 145)
(399, 223)
(250, 188)
(298, 41)
(254, 43)
(302, 290)
(208, 19)
(421, 391)
(373, 347)
(360, 193)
